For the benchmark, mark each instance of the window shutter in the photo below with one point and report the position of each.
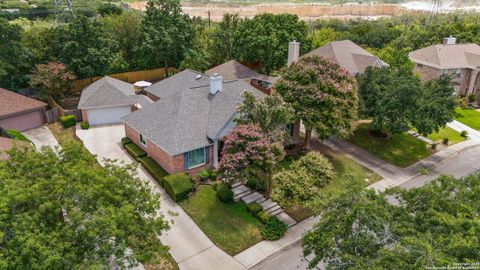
(185, 161)
(207, 154)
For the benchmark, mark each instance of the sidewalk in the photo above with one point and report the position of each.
(459, 127)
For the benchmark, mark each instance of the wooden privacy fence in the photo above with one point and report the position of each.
(62, 112)
(52, 115)
(131, 77)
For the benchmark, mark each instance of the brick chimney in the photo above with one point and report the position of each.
(293, 51)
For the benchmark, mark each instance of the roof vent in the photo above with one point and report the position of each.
(449, 40)
(198, 77)
(216, 83)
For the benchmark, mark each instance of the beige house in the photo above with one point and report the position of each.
(461, 61)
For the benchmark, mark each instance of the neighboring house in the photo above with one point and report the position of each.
(20, 112)
(107, 100)
(345, 53)
(461, 61)
(182, 130)
(234, 70)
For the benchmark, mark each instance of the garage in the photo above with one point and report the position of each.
(20, 112)
(102, 116)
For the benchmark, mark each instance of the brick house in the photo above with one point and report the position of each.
(460, 61)
(192, 112)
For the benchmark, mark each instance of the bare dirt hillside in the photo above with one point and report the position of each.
(304, 11)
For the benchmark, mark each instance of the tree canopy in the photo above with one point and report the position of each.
(436, 225)
(395, 99)
(322, 95)
(64, 211)
(52, 79)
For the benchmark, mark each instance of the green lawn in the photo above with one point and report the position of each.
(229, 226)
(446, 132)
(468, 117)
(400, 149)
(348, 173)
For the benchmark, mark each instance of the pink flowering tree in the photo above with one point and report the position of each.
(52, 79)
(250, 153)
(323, 96)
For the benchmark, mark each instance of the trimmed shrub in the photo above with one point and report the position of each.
(472, 98)
(155, 170)
(126, 140)
(135, 151)
(178, 186)
(464, 133)
(445, 141)
(204, 174)
(17, 135)
(68, 121)
(273, 229)
(224, 193)
(254, 208)
(262, 216)
(84, 125)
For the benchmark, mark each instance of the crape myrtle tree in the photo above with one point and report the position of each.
(396, 100)
(51, 79)
(323, 96)
(64, 211)
(435, 225)
(167, 34)
(249, 153)
(302, 183)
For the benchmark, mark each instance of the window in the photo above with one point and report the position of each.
(143, 140)
(196, 158)
(458, 73)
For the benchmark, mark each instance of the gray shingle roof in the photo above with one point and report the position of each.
(144, 101)
(348, 55)
(234, 70)
(107, 92)
(451, 56)
(182, 80)
(186, 119)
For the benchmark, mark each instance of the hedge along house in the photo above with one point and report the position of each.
(182, 130)
(107, 100)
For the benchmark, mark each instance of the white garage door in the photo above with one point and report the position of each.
(107, 115)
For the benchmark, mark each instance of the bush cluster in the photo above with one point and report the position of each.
(68, 121)
(464, 133)
(84, 125)
(256, 184)
(178, 186)
(224, 193)
(135, 151)
(273, 229)
(254, 208)
(263, 216)
(155, 170)
(126, 140)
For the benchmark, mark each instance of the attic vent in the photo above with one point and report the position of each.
(198, 77)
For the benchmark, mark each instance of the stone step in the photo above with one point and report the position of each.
(260, 200)
(236, 184)
(252, 197)
(286, 219)
(273, 209)
(268, 204)
(276, 212)
(239, 196)
(239, 189)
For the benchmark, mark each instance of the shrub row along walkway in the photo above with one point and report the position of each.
(241, 192)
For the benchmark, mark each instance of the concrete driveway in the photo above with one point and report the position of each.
(41, 137)
(189, 246)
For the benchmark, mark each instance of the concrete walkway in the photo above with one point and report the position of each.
(41, 137)
(459, 127)
(189, 246)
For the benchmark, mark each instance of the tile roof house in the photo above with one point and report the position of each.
(348, 55)
(234, 70)
(107, 100)
(181, 130)
(461, 61)
(20, 112)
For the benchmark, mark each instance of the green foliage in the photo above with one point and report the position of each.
(273, 229)
(396, 101)
(262, 216)
(436, 224)
(302, 183)
(254, 208)
(265, 37)
(135, 151)
(225, 38)
(17, 135)
(126, 140)
(445, 141)
(472, 98)
(464, 133)
(178, 186)
(322, 95)
(155, 170)
(256, 184)
(323, 36)
(167, 34)
(84, 125)
(62, 211)
(51, 79)
(109, 9)
(68, 121)
(224, 193)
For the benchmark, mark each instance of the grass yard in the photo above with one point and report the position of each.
(468, 117)
(446, 132)
(229, 226)
(400, 149)
(349, 173)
